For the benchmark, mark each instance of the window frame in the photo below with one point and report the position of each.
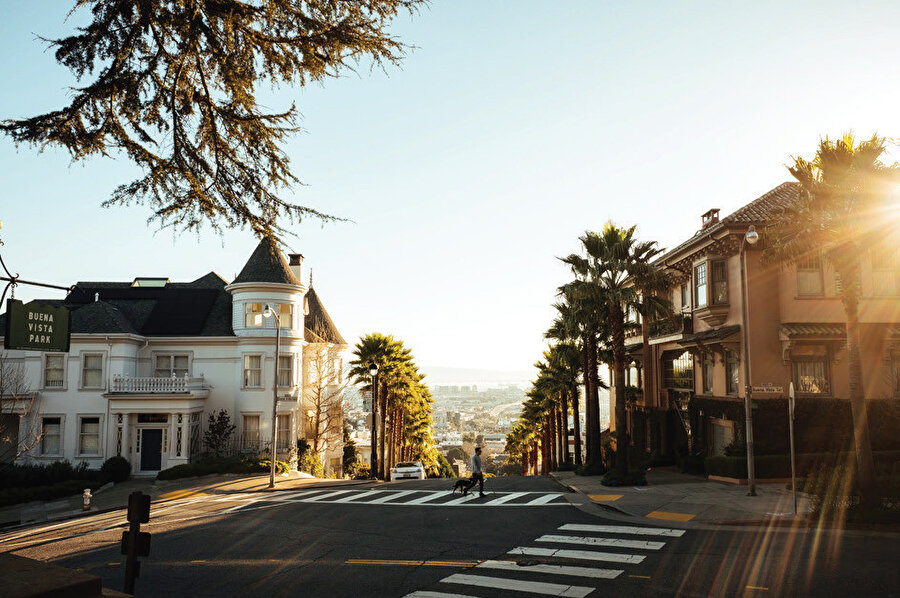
(685, 296)
(732, 360)
(245, 443)
(244, 369)
(81, 434)
(84, 357)
(283, 430)
(708, 368)
(248, 313)
(811, 265)
(291, 377)
(884, 267)
(172, 355)
(696, 284)
(44, 360)
(62, 435)
(800, 358)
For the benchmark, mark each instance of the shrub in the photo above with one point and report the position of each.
(218, 432)
(362, 471)
(311, 463)
(236, 465)
(116, 469)
(635, 477)
(11, 496)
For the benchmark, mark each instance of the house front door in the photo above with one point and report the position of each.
(151, 449)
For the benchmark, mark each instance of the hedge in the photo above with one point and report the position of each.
(11, 496)
(779, 466)
(225, 465)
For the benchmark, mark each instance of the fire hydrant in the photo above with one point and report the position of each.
(87, 499)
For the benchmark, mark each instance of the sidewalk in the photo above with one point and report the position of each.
(115, 496)
(676, 497)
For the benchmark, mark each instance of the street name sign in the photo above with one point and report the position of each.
(37, 326)
(768, 388)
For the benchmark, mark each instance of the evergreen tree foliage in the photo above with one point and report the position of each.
(174, 85)
(218, 432)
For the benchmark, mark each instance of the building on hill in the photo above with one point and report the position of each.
(686, 388)
(151, 359)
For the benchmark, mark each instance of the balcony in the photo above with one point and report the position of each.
(671, 328)
(152, 385)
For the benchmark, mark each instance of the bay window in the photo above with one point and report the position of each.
(809, 370)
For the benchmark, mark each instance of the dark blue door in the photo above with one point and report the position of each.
(151, 449)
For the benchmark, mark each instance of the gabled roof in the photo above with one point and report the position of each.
(267, 264)
(100, 316)
(317, 324)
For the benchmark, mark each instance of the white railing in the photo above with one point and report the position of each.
(156, 385)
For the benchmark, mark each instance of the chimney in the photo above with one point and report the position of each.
(709, 218)
(296, 263)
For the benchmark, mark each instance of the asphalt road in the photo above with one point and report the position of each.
(414, 538)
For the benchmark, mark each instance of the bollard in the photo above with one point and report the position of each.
(87, 500)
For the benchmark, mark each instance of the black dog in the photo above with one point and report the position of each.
(462, 484)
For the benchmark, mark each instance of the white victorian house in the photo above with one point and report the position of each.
(151, 359)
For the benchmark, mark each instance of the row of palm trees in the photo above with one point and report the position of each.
(612, 275)
(404, 401)
(848, 203)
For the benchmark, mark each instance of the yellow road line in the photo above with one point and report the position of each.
(757, 588)
(671, 516)
(640, 576)
(605, 497)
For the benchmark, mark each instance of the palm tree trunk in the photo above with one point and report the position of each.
(545, 448)
(593, 401)
(618, 346)
(534, 457)
(646, 366)
(382, 408)
(576, 418)
(564, 409)
(862, 439)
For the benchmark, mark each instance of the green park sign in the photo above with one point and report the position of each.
(37, 326)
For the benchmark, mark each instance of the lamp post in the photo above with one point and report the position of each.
(751, 237)
(373, 463)
(268, 312)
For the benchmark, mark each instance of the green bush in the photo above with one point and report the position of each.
(224, 465)
(635, 477)
(11, 496)
(25, 476)
(312, 464)
(116, 469)
(779, 466)
(362, 471)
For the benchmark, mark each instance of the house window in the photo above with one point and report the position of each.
(700, 284)
(708, 364)
(809, 277)
(809, 370)
(284, 432)
(632, 315)
(286, 315)
(719, 282)
(285, 370)
(685, 296)
(51, 436)
(253, 371)
(168, 366)
(253, 317)
(732, 375)
(884, 274)
(53, 370)
(89, 436)
(250, 431)
(92, 371)
(679, 372)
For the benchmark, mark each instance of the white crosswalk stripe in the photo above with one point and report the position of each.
(553, 573)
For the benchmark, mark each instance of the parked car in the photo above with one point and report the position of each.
(408, 470)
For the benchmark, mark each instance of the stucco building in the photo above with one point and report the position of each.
(151, 359)
(687, 385)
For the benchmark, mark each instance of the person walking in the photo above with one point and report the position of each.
(477, 472)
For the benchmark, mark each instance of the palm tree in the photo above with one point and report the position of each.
(565, 330)
(615, 259)
(842, 212)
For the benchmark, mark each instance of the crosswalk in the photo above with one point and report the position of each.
(564, 571)
(405, 498)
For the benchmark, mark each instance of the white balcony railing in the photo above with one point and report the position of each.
(149, 385)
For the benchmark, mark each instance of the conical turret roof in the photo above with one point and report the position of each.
(267, 264)
(318, 324)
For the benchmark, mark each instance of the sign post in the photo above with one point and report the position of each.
(791, 428)
(135, 543)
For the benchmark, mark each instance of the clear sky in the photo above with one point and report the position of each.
(512, 128)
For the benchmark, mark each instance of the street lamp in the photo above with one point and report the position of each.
(269, 312)
(751, 238)
(373, 372)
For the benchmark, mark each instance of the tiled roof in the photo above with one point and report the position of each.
(267, 264)
(814, 329)
(758, 211)
(317, 324)
(100, 316)
(708, 336)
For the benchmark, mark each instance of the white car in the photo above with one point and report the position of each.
(409, 470)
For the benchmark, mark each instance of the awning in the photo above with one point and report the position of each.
(812, 330)
(709, 337)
